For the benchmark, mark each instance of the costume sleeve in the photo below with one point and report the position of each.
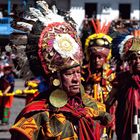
(27, 129)
(96, 110)
(38, 126)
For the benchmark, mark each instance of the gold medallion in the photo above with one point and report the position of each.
(56, 82)
(100, 42)
(58, 98)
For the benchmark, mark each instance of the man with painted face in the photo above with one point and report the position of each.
(63, 112)
(126, 90)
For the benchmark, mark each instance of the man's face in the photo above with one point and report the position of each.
(71, 80)
(97, 61)
(135, 62)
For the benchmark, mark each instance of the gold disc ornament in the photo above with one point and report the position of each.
(58, 98)
(56, 82)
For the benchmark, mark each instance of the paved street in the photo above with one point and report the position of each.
(18, 104)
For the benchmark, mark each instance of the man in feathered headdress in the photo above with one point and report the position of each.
(126, 90)
(62, 112)
(98, 53)
(121, 44)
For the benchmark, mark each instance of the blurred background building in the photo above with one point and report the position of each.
(79, 10)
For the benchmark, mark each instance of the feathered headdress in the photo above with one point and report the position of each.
(100, 42)
(125, 45)
(53, 43)
(130, 45)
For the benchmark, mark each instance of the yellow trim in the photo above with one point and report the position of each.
(32, 84)
(95, 36)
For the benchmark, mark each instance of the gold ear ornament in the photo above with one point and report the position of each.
(58, 98)
(56, 82)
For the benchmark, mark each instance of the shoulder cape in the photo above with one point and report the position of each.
(35, 106)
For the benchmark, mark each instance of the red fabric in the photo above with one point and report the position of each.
(30, 97)
(134, 102)
(129, 113)
(109, 72)
(137, 80)
(112, 112)
(8, 101)
(87, 131)
(5, 101)
(35, 106)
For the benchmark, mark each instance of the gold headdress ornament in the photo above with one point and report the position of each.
(136, 45)
(59, 47)
(134, 49)
(136, 41)
(99, 41)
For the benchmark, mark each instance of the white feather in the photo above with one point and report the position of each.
(26, 25)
